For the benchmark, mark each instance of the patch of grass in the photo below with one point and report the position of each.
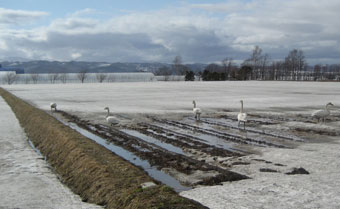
(90, 170)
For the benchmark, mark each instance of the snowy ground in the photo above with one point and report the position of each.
(320, 155)
(320, 189)
(25, 179)
(176, 97)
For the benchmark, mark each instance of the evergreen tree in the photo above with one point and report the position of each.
(189, 76)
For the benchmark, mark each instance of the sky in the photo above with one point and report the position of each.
(200, 31)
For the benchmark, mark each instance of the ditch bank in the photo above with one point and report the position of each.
(90, 170)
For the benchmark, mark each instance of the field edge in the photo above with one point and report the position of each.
(90, 170)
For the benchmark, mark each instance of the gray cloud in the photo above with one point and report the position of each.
(74, 23)
(18, 17)
(199, 33)
(91, 47)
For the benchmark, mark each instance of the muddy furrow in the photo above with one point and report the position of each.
(332, 118)
(320, 132)
(228, 146)
(155, 155)
(263, 121)
(278, 119)
(223, 135)
(291, 138)
(181, 140)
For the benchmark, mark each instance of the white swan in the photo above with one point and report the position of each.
(197, 111)
(322, 113)
(110, 119)
(242, 116)
(53, 105)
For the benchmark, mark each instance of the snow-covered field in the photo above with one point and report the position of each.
(319, 154)
(176, 97)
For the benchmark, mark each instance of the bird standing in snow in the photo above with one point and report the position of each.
(197, 111)
(322, 114)
(242, 116)
(53, 105)
(110, 119)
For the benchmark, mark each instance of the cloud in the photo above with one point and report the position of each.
(99, 46)
(229, 7)
(76, 55)
(19, 17)
(73, 24)
(84, 12)
(198, 32)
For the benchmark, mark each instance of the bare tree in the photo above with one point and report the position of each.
(10, 77)
(335, 70)
(263, 62)
(63, 77)
(199, 75)
(27, 79)
(82, 75)
(164, 71)
(35, 77)
(227, 64)
(317, 72)
(178, 66)
(254, 62)
(53, 77)
(111, 78)
(277, 71)
(295, 63)
(302, 64)
(101, 77)
(325, 72)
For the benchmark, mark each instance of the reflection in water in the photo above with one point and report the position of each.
(152, 140)
(134, 159)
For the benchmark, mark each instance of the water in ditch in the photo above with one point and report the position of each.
(155, 141)
(134, 159)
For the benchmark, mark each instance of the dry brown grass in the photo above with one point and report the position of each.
(90, 170)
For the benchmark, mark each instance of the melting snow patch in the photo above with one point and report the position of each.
(148, 184)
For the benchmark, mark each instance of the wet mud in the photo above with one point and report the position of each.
(296, 171)
(163, 158)
(202, 152)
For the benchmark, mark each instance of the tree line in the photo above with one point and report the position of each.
(258, 66)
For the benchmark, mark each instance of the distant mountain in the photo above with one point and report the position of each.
(14, 59)
(41, 66)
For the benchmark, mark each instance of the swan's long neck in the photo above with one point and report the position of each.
(194, 104)
(108, 112)
(241, 107)
(327, 107)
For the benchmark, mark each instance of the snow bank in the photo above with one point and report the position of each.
(25, 178)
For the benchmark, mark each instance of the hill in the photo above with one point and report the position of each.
(42, 66)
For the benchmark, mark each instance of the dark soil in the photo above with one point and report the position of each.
(240, 163)
(160, 157)
(268, 170)
(279, 164)
(251, 130)
(226, 136)
(298, 171)
(183, 141)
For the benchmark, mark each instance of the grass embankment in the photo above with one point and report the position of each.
(90, 170)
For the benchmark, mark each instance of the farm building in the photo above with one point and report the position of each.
(12, 69)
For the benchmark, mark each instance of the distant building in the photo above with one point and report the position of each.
(12, 69)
